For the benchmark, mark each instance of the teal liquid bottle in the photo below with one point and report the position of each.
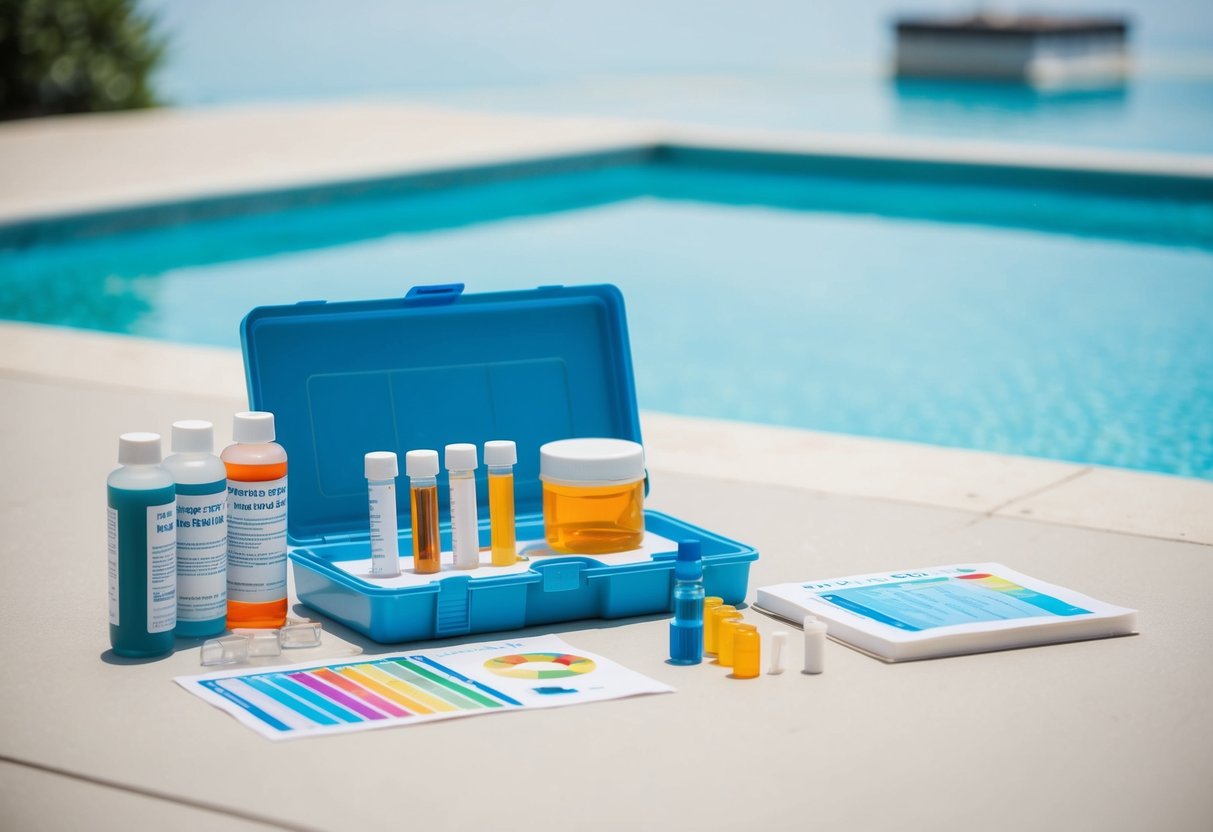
(142, 547)
(686, 630)
(201, 480)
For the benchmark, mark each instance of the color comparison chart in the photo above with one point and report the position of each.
(414, 687)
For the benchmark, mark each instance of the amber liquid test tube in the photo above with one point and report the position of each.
(500, 456)
(422, 469)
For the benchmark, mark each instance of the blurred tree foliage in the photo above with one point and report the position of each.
(75, 56)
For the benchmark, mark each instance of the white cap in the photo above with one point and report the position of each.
(460, 457)
(500, 452)
(193, 436)
(421, 463)
(253, 427)
(381, 465)
(591, 461)
(139, 449)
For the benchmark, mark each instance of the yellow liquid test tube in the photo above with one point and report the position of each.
(422, 470)
(726, 641)
(711, 628)
(500, 456)
(747, 652)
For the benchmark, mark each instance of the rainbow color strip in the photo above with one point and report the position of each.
(516, 665)
(398, 688)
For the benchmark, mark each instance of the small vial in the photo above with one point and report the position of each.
(779, 652)
(381, 470)
(256, 523)
(422, 469)
(747, 652)
(814, 645)
(465, 523)
(500, 456)
(201, 480)
(726, 643)
(720, 612)
(686, 630)
(141, 513)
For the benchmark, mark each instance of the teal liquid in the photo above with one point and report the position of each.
(212, 626)
(130, 637)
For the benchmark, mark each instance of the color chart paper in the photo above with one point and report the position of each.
(411, 687)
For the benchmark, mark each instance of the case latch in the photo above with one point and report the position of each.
(561, 577)
(439, 294)
(452, 610)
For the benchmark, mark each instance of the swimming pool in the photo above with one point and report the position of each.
(1064, 322)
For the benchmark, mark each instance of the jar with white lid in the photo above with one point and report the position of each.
(593, 495)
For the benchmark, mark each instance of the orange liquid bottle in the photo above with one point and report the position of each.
(256, 518)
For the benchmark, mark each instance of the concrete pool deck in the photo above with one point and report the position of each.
(1126, 721)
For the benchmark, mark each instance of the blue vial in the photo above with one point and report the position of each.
(686, 630)
(142, 547)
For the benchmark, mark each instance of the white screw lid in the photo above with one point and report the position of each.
(591, 461)
(460, 457)
(421, 463)
(193, 436)
(253, 427)
(381, 465)
(139, 449)
(500, 452)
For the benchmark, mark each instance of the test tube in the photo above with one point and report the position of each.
(465, 525)
(500, 455)
(381, 470)
(422, 468)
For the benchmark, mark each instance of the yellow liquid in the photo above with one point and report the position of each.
(593, 520)
(427, 547)
(501, 519)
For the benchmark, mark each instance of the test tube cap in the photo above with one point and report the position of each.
(779, 652)
(689, 564)
(193, 436)
(747, 651)
(686, 643)
(500, 452)
(381, 465)
(139, 449)
(460, 456)
(814, 644)
(253, 426)
(422, 463)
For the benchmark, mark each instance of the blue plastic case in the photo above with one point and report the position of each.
(435, 367)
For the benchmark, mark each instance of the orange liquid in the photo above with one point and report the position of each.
(501, 519)
(268, 614)
(427, 547)
(593, 520)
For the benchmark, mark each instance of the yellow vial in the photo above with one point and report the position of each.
(593, 495)
(747, 651)
(711, 625)
(500, 455)
(422, 469)
(726, 641)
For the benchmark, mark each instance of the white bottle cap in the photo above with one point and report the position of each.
(421, 463)
(500, 452)
(591, 462)
(460, 457)
(139, 449)
(193, 436)
(381, 465)
(253, 427)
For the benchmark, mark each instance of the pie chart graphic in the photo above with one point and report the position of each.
(540, 665)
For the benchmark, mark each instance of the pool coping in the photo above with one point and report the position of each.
(54, 170)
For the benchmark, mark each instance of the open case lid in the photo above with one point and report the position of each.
(434, 367)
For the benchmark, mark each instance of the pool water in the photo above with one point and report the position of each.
(996, 333)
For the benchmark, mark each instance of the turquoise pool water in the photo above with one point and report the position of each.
(1051, 324)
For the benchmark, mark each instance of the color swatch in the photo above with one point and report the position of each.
(539, 665)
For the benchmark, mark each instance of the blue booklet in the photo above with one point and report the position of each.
(946, 611)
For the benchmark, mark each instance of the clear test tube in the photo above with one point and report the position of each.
(422, 469)
(381, 470)
(465, 524)
(500, 456)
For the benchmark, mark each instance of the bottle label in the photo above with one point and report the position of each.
(112, 546)
(202, 554)
(385, 545)
(161, 568)
(256, 541)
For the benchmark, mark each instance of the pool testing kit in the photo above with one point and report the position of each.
(437, 367)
